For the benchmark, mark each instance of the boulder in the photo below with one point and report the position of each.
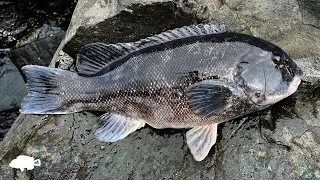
(20, 18)
(281, 142)
(12, 85)
(116, 21)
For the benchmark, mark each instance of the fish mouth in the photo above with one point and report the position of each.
(292, 88)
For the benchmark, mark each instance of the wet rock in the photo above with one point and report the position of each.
(12, 86)
(7, 118)
(37, 52)
(281, 142)
(20, 18)
(48, 29)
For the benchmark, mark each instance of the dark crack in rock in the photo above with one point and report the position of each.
(7, 118)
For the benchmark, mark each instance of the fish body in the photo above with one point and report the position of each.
(190, 77)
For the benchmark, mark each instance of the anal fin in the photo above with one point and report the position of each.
(200, 140)
(114, 127)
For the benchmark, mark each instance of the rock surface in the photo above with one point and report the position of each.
(38, 52)
(12, 86)
(281, 142)
(7, 118)
(310, 11)
(19, 18)
(311, 68)
(115, 21)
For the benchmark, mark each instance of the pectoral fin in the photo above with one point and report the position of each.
(210, 98)
(114, 127)
(200, 140)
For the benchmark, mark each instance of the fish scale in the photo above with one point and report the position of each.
(146, 69)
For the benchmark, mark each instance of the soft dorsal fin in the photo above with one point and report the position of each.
(93, 58)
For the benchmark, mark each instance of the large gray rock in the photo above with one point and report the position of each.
(19, 18)
(281, 22)
(12, 86)
(281, 142)
(39, 52)
(39, 47)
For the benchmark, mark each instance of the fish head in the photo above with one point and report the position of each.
(267, 77)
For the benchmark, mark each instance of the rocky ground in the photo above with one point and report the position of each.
(281, 142)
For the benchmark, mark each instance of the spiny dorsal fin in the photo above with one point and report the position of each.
(180, 33)
(92, 58)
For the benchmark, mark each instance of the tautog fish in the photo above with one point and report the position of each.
(191, 77)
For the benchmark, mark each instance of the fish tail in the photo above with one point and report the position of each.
(45, 95)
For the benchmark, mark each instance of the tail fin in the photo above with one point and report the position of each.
(44, 92)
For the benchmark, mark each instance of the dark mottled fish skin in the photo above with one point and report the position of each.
(152, 85)
(190, 77)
